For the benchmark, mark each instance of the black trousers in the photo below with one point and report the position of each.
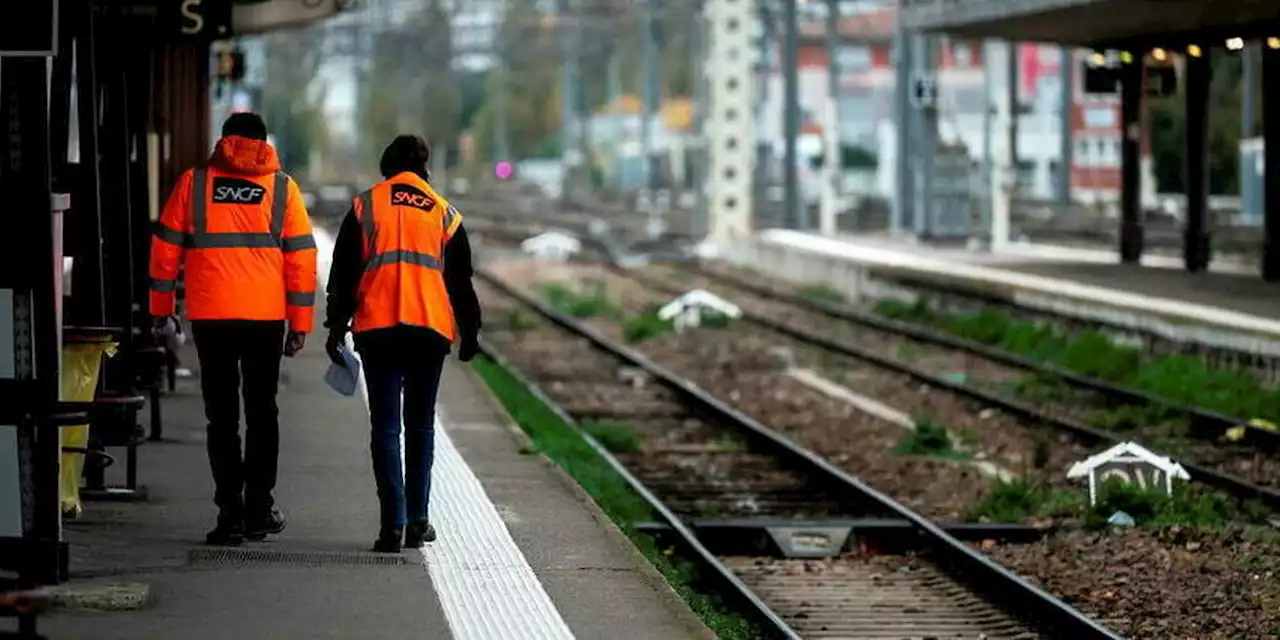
(241, 356)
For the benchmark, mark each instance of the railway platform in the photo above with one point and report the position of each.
(522, 553)
(1222, 309)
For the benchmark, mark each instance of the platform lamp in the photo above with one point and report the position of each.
(230, 68)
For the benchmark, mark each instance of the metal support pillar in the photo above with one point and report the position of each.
(1195, 247)
(1131, 161)
(1271, 151)
(88, 305)
(699, 226)
(1014, 111)
(924, 59)
(117, 232)
(651, 67)
(900, 213)
(568, 94)
(794, 213)
(1249, 57)
(831, 157)
(1004, 171)
(30, 318)
(730, 127)
(988, 131)
(1067, 66)
(765, 45)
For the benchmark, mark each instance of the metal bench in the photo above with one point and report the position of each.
(113, 423)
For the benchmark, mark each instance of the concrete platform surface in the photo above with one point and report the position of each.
(557, 569)
(1232, 309)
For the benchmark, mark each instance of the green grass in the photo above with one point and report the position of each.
(1190, 505)
(1177, 378)
(590, 304)
(519, 321)
(562, 444)
(645, 326)
(1019, 499)
(930, 440)
(614, 437)
(821, 293)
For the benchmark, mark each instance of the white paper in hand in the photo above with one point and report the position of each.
(343, 378)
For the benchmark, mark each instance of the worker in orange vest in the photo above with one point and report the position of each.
(401, 282)
(238, 226)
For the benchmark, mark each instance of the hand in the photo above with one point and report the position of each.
(294, 343)
(468, 349)
(333, 346)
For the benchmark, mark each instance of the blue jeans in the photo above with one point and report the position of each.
(403, 493)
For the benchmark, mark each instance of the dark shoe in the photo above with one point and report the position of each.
(418, 533)
(229, 532)
(260, 526)
(388, 540)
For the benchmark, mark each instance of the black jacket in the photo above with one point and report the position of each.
(344, 282)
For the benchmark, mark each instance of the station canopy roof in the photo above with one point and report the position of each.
(1098, 22)
(269, 15)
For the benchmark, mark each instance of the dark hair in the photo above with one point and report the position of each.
(405, 153)
(245, 125)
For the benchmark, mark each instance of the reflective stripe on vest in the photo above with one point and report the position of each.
(201, 238)
(403, 281)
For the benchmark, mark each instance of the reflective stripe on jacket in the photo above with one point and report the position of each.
(244, 239)
(405, 224)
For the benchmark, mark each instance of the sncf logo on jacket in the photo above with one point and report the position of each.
(407, 195)
(237, 191)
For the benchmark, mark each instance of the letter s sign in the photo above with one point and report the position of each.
(193, 21)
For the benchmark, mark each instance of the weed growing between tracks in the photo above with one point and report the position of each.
(1178, 378)
(1190, 505)
(560, 443)
(931, 440)
(589, 304)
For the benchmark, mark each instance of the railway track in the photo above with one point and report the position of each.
(829, 555)
(1247, 468)
(1204, 582)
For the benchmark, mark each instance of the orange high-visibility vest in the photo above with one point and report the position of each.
(405, 225)
(247, 246)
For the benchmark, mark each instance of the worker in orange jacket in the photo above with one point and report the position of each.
(240, 229)
(401, 282)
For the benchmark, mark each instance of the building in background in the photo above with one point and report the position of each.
(867, 78)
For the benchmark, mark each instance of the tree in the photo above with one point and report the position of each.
(409, 86)
(1168, 128)
(293, 98)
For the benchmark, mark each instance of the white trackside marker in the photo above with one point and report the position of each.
(485, 586)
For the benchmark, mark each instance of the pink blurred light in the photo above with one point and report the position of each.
(502, 170)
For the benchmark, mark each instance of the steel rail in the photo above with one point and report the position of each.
(1231, 484)
(1019, 598)
(1204, 421)
(746, 600)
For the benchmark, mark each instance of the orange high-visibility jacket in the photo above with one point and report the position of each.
(240, 227)
(405, 225)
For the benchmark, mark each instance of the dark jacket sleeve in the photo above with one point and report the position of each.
(344, 274)
(457, 280)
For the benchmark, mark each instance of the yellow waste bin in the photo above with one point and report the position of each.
(81, 364)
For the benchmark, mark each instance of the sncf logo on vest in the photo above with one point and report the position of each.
(237, 191)
(409, 196)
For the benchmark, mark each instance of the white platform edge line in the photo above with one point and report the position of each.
(1058, 286)
(485, 586)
